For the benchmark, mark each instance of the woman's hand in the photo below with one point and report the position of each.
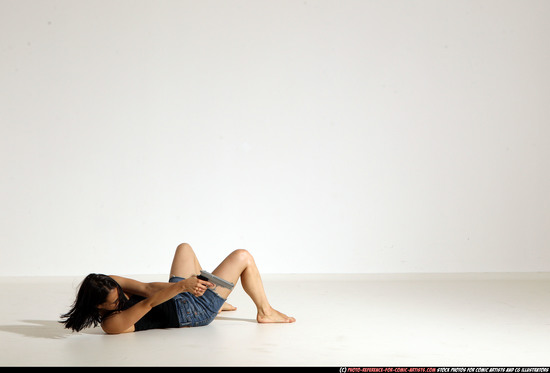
(196, 286)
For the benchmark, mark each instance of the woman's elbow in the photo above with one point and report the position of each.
(116, 330)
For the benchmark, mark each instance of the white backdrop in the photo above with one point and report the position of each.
(321, 135)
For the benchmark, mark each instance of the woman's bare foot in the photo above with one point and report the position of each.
(273, 316)
(227, 307)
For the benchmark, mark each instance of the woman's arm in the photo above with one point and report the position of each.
(124, 321)
(143, 289)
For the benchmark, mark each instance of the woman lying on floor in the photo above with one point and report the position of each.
(123, 305)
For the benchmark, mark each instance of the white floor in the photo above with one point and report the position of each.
(342, 320)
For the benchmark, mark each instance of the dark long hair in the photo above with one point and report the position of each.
(93, 291)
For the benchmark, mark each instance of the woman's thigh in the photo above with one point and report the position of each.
(231, 268)
(185, 263)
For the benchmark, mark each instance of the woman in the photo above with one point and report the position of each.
(123, 305)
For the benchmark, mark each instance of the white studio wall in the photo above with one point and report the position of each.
(323, 136)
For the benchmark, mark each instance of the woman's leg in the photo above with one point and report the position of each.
(185, 264)
(241, 264)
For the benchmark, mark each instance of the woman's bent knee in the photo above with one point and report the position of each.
(183, 246)
(243, 255)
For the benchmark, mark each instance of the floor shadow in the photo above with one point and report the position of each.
(236, 319)
(51, 329)
(48, 329)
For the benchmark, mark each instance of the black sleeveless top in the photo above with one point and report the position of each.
(162, 316)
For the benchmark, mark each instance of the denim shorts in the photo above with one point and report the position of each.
(197, 311)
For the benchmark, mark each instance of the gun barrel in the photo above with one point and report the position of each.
(215, 280)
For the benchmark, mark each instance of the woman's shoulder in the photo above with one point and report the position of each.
(131, 286)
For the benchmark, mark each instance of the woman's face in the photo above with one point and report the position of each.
(111, 302)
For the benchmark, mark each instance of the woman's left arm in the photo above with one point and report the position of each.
(149, 289)
(144, 289)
